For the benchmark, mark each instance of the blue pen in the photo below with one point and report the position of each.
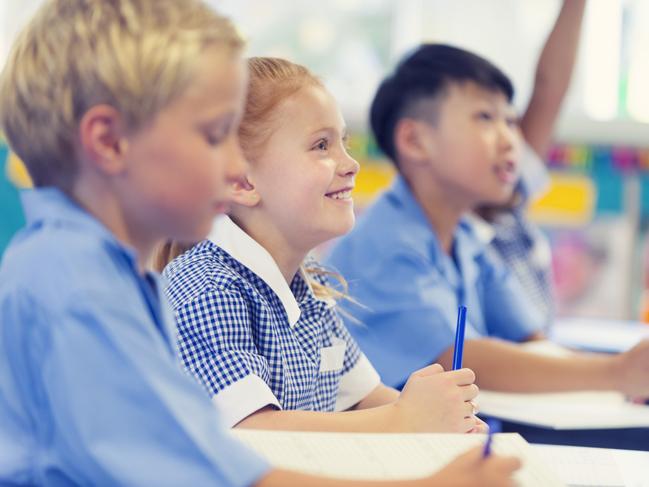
(486, 451)
(459, 338)
(494, 427)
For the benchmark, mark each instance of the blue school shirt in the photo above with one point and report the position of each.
(91, 391)
(409, 289)
(252, 340)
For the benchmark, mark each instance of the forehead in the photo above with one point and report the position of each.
(218, 79)
(311, 108)
(470, 92)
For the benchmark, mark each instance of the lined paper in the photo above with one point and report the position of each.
(386, 456)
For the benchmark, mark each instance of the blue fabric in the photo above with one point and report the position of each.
(231, 324)
(515, 242)
(91, 392)
(521, 245)
(410, 290)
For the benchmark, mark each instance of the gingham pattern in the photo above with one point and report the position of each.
(514, 242)
(231, 324)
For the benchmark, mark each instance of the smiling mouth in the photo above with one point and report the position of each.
(343, 194)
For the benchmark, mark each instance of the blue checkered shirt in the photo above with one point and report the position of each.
(517, 242)
(231, 324)
(521, 244)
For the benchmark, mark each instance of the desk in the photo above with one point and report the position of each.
(625, 439)
(529, 417)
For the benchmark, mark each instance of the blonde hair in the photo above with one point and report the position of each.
(134, 55)
(272, 80)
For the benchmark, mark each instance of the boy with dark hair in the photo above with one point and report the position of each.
(446, 120)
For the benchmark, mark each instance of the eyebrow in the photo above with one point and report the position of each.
(331, 130)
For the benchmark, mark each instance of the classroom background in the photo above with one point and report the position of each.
(596, 211)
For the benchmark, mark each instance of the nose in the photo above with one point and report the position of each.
(508, 136)
(348, 166)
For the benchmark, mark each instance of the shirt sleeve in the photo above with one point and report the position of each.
(412, 315)
(216, 345)
(119, 409)
(508, 311)
(359, 377)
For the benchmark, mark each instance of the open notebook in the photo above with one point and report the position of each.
(386, 456)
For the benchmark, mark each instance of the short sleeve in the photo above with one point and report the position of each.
(508, 311)
(216, 345)
(412, 314)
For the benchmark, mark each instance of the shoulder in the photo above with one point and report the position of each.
(60, 262)
(204, 270)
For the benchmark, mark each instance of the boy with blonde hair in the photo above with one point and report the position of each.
(125, 113)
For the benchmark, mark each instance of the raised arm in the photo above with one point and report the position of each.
(553, 73)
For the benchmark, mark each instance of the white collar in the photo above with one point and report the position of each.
(227, 235)
(481, 228)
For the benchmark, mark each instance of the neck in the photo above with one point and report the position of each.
(287, 257)
(102, 203)
(442, 210)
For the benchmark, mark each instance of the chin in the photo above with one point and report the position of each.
(336, 231)
(347, 226)
(503, 198)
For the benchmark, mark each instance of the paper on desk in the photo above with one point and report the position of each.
(386, 456)
(601, 467)
(598, 335)
(565, 410)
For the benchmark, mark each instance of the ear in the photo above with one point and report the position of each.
(414, 140)
(244, 193)
(102, 139)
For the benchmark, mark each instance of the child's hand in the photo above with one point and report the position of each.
(471, 470)
(633, 370)
(434, 400)
(480, 427)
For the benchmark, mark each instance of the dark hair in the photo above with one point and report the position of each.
(427, 73)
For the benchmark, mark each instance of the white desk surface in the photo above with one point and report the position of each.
(602, 467)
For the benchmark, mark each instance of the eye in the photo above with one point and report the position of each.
(214, 140)
(485, 116)
(321, 145)
(217, 133)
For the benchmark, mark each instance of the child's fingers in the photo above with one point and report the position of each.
(467, 424)
(462, 377)
(469, 411)
(469, 392)
(480, 426)
(430, 370)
